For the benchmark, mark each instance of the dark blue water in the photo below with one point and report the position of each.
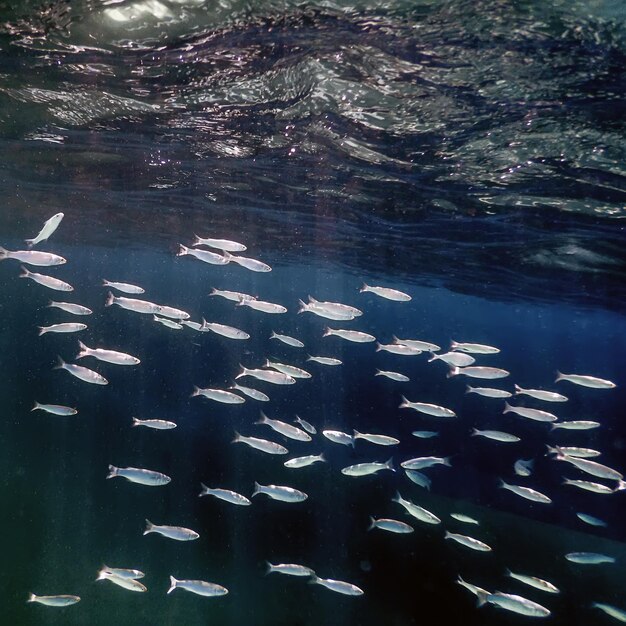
(470, 154)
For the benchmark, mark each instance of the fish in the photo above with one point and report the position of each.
(468, 542)
(55, 409)
(58, 601)
(255, 394)
(526, 492)
(225, 494)
(523, 467)
(473, 348)
(219, 395)
(173, 313)
(132, 304)
(45, 280)
(390, 525)
(397, 348)
(365, 469)
(306, 425)
(263, 306)
(591, 520)
(589, 486)
(379, 440)
(335, 315)
(496, 435)
(66, 327)
(466, 519)
(590, 467)
(540, 394)
(386, 292)
(226, 331)
(263, 445)
(339, 586)
(133, 574)
(269, 376)
(324, 360)
(287, 430)
(488, 392)
(514, 603)
(70, 307)
(479, 372)
(199, 587)
(197, 326)
(220, 244)
(49, 226)
(280, 492)
(234, 296)
(422, 462)
(80, 372)
(477, 591)
(123, 287)
(253, 265)
(131, 584)
(205, 256)
(32, 257)
(354, 336)
(154, 424)
(613, 611)
(533, 581)
(109, 356)
(393, 376)
(336, 436)
(425, 434)
(419, 513)
(418, 478)
(575, 425)
(290, 341)
(290, 569)
(424, 346)
(583, 453)
(533, 414)
(459, 359)
(428, 409)
(167, 322)
(140, 476)
(586, 381)
(178, 533)
(290, 370)
(335, 306)
(589, 558)
(305, 461)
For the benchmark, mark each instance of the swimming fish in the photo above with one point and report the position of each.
(425, 434)
(167, 322)
(285, 429)
(365, 469)
(496, 435)
(306, 425)
(32, 257)
(466, 519)
(586, 381)
(123, 287)
(338, 586)
(60, 600)
(478, 372)
(590, 467)
(589, 486)
(418, 512)
(583, 453)
(591, 520)
(80, 372)
(290, 370)
(290, 569)
(320, 311)
(526, 492)
(390, 525)
(178, 533)
(269, 376)
(154, 424)
(70, 307)
(255, 394)
(589, 558)
(234, 296)
(226, 331)
(132, 304)
(533, 581)
(263, 445)
(131, 584)
(540, 394)
(324, 360)
(379, 440)
(393, 376)
(514, 603)
(122, 572)
(199, 587)
(140, 476)
(422, 462)
(418, 478)
(386, 292)
(280, 492)
(65, 327)
(173, 313)
(355, 336)
(473, 348)
(305, 461)
(45, 280)
(460, 359)
(428, 409)
(575, 425)
(523, 467)
(533, 414)
(219, 395)
(425, 346)
(202, 255)
(109, 356)
(253, 265)
(263, 306)
(468, 542)
(613, 611)
(488, 392)
(55, 409)
(286, 339)
(49, 226)
(397, 348)
(225, 494)
(336, 436)
(220, 244)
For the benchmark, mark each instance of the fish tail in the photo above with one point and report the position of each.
(364, 287)
(227, 255)
(327, 331)
(60, 364)
(518, 389)
(312, 300)
(42, 330)
(475, 432)
(149, 527)
(481, 598)
(405, 404)
(269, 568)
(242, 371)
(314, 580)
(378, 347)
(453, 344)
(273, 335)
(204, 490)
(433, 357)
(453, 371)
(196, 240)
(24, 273)
(378, 372)
(182, 250)
(135, 421)
(372, 523)
(237, 438)
(322, 457)
(446, 461)
(356, 434)
(112, 471)
(397, 497)
(110, 299)
(173, 582)
(446, 535)
(31, 597)
(507, 407)
(30, 242)
(302, 306)
(195, 392)
(263, 419)
(37, 405)
(4, 253)
(501, 483)
(469, 389)
(257, 489)
(213, 291)
(83, 350)
(389, 464)
(552, 450)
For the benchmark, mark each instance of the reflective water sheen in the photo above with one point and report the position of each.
(471, 154)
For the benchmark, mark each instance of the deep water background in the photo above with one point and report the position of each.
(471, 154)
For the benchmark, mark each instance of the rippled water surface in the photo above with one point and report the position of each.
(472, 154)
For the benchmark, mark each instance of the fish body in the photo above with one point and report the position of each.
(397, 348)
(123, 287)
(131, 584)
(488, 392)
(219, 395)
(479, 372)
(591, 520)
(335, 306)
(82, 373)
(121, 572)
(233, 296)
(226, 331)
(586, 381)
(289, 569)
(197, 326)
(583, 453)
(173, 313)
(268, 376)
(305, 461)
(324, 360)
(355, 336)
(325, 313)
(269, 447)
(496, 435)
(533, 581)
(428, 409)
(199, 587)
(589, 486)
(540, 394)
(393, 376)
(290, 370)
(575, 425)
(49, 226)
(306, 425)
(590, 467)
(422, 462)
(379, 440)
(140, 476)
(365, 469)
(254, 265)
(386, 292)
(466, 519)
(57, 601)
(65, 327)
(336, 436)
(424, 346)
(286, 339)
(45, 280)
(524, 467)
(416, 511)
(526, 492)
(133, 304)
(418, 478)
(255, 394)
(109, 356)
(613, 611)
(280, 492)
(589, 558)
(458, 359)
(473, 348)
(225, 494)
(55, 409)
(287, 430)
(515, 604)
(339, 586)
(178, 533)
(220, 244)
(205, 256)
(477, 591)
(468, 542)
(32, 257)
(154, 424)
(425, 434)
(70, 307)
(533, 414)
(167, 322)
(390, 525)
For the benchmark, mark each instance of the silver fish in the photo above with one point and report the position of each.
(234, 296)
(263, 445)
(422, 462)
(154, 424)
(349, 335)
(477, 591)
(479, 372)
(589, 486)
(121, 572)
(45, 280)
(263, 306)
(80, 372)
(591, 520)
(202, 255)
(583, 453)
(425, 434)
(589, 558)
(468, 542)
(140, 476)
(390, 525)
(199, 587)
(290, 569)
(320, 311)
(386, 292)
(523, 467)
(178, 533)
(225, 494)
(418, 478)
(32, 257)
(533, 581)
(425, 346)
(336, 436)
(335, 306)
(324, 360)
(586, 381)
(55, 409)
(419, 513)
(533, 414)
(60, 600)
(575, 425)
(496, 435)
(393, 376)
(123, 287)
(132, 584)
(366, 469)
(66, 327)
(269, 376)
(49, 226)
(220, 244)
(253, 265)
(219, 395)
(428, 409)
(488, 392)
(197, 326)
(306, 425)
(305, 461)
(397, 348)
(613, 611)
(167, 322)
(338, 586)
(460, 359)
(255, 394)
(379, 440)
(285, 429)
(290, 370)
(290, 341)
(109, 356)
(473, 348)
(173, 313)
(226, 331)
(540, 394)
(590, 467)
(514, 603)
(132, 304)
(526, 492)
(70, 307)
(280, 492)
(466, 519)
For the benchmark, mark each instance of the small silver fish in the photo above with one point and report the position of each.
(540, 394)
(613, 611)
(488, 392)
(335, 307)
(422, 462)
(269, 376)
(533, 581)
(226, 331)
(466, 519)
(285, 429)
(425, 434)
(397, 348)
(306, 425)
(477, 591)
(591, 520)
(418, 478)
(305, 461)
(225, 494)
(60, 600)
(338, 586)
(70, 307)
(424, 346)
(121, 572)
(234, 296)
(468, 542)
(219, 395)
(514, 603)
(140, 476)
(178, 533)
(533, 414)
(109, 356)
(496, 435)
(460, 359)
(290, 370)
(354, 336)
(379, 440)
(220, 244)
(199, 587)
(32, 257)
(386, 292)
(575, 425)
(583, 453)
(280, 492)
(253, 265)
(290, 341)
(154, 424)
(390, 525)
(479, 372)
(263, 445)
(589, 558)
(202, 255)
(173, 313)
(366, 469)
(197, 326)
(589, 486)
(132, 304)
(586, 381)
(324, 360)
(590, 467)
(336, 436)
(80, 372)
(45, 280)
(55, 409)
(131, 584)
(167, 322)
(123, 287)
(261, 305)
(393, 376)
(290, 569)
(49, 226)
(255, 394)
(418, 512)
(66, 327)
(473, 348)
(526, 492)
(428, 409)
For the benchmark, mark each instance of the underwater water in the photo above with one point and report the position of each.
(468, 154)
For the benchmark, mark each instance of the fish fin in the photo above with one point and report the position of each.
(182, 250)
(453, 344)
(242, 371)
(481, 598)
(559, 376)
(60, 364)
(196, 240)
(518, 389)
(42, 330)
(149, 527)
(83, 350)
(227, 255)
(263, 419)
(135, 421)
(110, 299)
(195, 392)
(453, 371)
(475, 432)
(4, 253)
(24, 273)
(507, 407)
(173, 582)
(378, 347)
(372, 523)
(31, 597)
(269, 568)
(312, 300)
(446, 535)
(397, 497)
(322, 457)
(469, 389)
(30, 242)
(552, 450)
(257, 488)
(356, 434)
(237, 438)
(446, 461)
(327, 332)
(389, 464)
(405, 404)
(302, 306)
(501, 483)
(507, 572)
(112, 471)
(37, 405)
(204, 490)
